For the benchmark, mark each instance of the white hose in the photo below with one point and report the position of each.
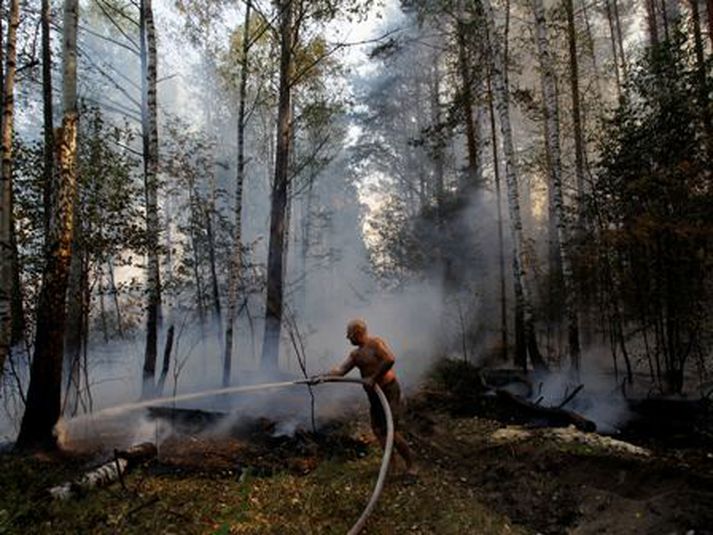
(388, 448)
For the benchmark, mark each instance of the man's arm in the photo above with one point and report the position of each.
(344, 368)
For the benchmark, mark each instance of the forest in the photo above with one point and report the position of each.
(199, 198)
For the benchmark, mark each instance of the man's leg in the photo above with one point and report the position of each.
(400, 444)
(406, 454)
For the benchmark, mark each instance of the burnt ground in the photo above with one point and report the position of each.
(550, 487)
(539, 484)
(256, 481)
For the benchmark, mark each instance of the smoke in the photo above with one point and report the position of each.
(598, 400)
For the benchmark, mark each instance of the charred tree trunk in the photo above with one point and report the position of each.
(274, 302)
(43, 398)
(522, 290)
(150, 151)
(237, 260)
(6, 220)
(549, 93)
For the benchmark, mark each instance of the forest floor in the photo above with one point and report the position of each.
(476, 475)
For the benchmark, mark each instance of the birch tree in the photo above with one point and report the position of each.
(47, 106)
(7, 249)
(149, 127)
(522, 288)
(236, 260)
(554, 160)
(43, 397)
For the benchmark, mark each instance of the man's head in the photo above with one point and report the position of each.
(356, 332)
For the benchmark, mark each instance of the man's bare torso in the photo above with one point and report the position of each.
(371, 356)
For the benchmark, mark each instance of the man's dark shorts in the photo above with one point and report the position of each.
(392, 391)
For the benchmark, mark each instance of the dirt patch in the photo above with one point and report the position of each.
(549, 486)
(255, 446)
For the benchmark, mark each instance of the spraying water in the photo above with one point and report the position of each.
(388, 448)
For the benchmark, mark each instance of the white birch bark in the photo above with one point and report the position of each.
(502, 104)
(6, 245)
(552, 135)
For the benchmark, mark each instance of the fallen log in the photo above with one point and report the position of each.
(553, 416)
(99, 477)
(105, 474)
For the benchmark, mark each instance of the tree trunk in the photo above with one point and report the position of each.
(552, 144)
(195, 224)
(554, 159)
(501, 244)
(709, 6)
(43, 398)
(166, 361)
(275, 259)
(704, 101)
(522, 290)
(591, 49)
(115, 298)
(47, 108)
(149, 122)
(237, 260)
(471, 133)
(576, 112)
(652, 24)
(615, 54)
(215, 289)
(74, 335)
(620, 40)
(6, 219)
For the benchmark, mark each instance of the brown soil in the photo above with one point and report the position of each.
(549, 487)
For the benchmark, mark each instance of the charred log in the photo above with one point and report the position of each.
(551, 416)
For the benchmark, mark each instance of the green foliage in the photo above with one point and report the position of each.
(653, 202)
(108, 220)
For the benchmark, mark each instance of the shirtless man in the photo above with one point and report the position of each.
(375, 361)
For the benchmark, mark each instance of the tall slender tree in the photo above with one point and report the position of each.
(149, 124)
(43, 397)
(579, 156)
(501, 242)
(523, 302)
(236, 260)
(47, 106)
(275, 259)
(7, 249)
(554, 159)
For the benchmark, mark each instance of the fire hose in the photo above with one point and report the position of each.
(388, 448)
